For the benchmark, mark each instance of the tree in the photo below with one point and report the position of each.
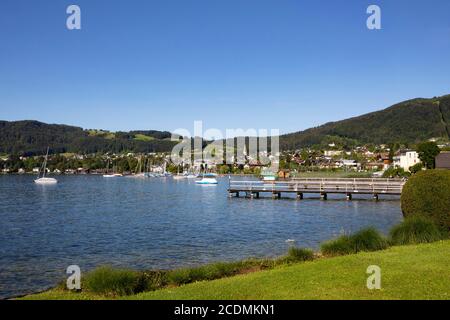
(427, 153)
(416, 168)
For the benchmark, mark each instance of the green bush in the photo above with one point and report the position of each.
(299, 255)
(108, 281)
(209, 272)
(416, 168)
(151, 280)
(415, 230)
(179, 276)
(340, 246)
(427, 194)
(367, 239)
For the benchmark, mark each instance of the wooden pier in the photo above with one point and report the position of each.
(347, 187)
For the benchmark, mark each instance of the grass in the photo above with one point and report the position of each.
(100, 133)
(112, 282)
(408, 272)
(367, 239)
(143, 137)
(415, 230)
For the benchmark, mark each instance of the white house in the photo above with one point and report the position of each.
(332, 153)
(406, 160)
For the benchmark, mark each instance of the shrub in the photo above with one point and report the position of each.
(340, 246)
(427, 194)
(395, 173)
(108, 281)
(179, 276)
(365, 240)
(209, 272)
(415, 230)
(368, 240)
(416, 168)
(151, 280)
(299, 254)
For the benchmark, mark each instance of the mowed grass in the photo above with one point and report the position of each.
(407, 272)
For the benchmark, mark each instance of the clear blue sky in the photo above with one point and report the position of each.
(286, 64)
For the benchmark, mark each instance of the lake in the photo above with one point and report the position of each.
(157, 223)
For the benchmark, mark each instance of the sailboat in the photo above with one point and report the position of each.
(138, 171)
(179, 176)
(109, 175)
(166, 174)
(44, 179)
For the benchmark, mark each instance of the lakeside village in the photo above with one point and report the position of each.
(385, 161)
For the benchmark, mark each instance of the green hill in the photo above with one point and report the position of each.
(33, 137)
(406, 122)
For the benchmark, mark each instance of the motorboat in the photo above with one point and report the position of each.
(208, 178)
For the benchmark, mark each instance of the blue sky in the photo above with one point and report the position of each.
(285, 64)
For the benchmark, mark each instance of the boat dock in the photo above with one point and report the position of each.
(345, 186)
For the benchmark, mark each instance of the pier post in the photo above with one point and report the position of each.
(375, 197)
(349, 196)
(299, 196)
(276, 195)
(323, 196)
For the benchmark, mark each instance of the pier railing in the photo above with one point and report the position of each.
(347, 186)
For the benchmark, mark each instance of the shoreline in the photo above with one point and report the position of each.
(399, 257)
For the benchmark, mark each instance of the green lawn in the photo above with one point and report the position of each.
(408, 272)
(143, 137)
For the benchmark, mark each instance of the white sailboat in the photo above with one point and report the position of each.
(138, 171)
(179, 176)
(109, 175)
(44, 179)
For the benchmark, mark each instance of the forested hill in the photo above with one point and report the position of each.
(406, 122)
(33, 137)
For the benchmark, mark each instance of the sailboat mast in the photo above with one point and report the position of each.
(45, 163)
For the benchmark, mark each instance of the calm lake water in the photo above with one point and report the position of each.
(157, 223)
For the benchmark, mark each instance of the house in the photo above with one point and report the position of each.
(349, 163)
(443, 160)
(332, 153)
(406, 160)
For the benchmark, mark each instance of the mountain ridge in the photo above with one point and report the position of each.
(410, 121)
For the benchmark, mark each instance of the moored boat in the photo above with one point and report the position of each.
(44, 179)
(208, 178)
